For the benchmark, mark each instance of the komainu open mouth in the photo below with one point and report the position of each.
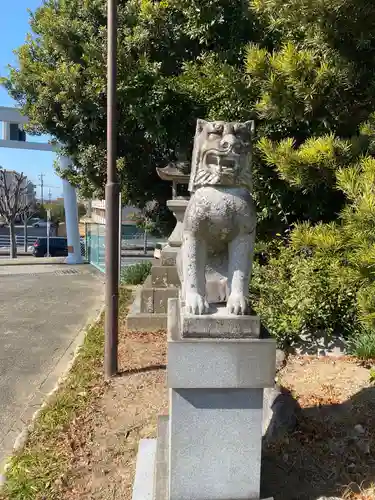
(221, 162)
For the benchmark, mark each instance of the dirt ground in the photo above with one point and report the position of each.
(107, 441)
(331, 453)
(324, 456)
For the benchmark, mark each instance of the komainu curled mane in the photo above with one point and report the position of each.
(219, 225)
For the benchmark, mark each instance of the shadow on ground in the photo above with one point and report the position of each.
(144, 369)
(326, 454)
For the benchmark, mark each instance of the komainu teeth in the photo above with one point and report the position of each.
(212, 159)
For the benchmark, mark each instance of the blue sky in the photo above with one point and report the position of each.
(14, 25)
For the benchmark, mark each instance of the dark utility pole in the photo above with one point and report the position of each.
(112, 196)
(42, 188)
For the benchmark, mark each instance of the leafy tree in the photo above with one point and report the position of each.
(303, 70)
(309, 96)
(350, 240)
(324, 281)
(61, 81)
(317, 88)
(147, 220)
(316, 104)
(312, 296)
(57, 212)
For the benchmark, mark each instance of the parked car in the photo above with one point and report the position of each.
(33, 220)
(40, 223)
(58, 247)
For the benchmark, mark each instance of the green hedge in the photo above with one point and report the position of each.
(297, 294)
(135, 274)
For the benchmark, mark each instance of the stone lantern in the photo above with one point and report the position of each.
(149, 310)
(178, 173)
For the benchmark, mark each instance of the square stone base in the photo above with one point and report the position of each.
(215, 444)
(152, 470)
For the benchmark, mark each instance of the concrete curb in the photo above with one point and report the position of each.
(19, 254)
(135, 253)
(47, 389)
(32, 261)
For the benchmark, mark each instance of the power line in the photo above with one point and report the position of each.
(47, 186)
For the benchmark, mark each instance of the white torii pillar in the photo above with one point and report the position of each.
(71, 217)
(14, 116)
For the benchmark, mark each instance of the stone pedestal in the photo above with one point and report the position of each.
(149, 310)
(169, 252)
(210, 445)
(178, 208)
(178, 173)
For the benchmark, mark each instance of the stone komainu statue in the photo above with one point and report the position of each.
(219, 226)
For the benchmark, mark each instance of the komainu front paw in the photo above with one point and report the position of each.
(237, 304)
(195, 304)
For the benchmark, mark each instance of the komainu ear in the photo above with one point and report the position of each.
(250, 125)
(200, 125)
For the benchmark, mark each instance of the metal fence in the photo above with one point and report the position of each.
(95, 245)
(5, 240)
(132, 239)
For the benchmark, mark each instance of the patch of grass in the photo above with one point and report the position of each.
(355, 492)
(362, 345)
(136, 274)
(37, 471)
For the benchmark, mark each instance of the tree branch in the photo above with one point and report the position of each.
(13, 195)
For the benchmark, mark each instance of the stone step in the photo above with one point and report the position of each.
(168, 256)
(146, 322)
(164, 276)
(155, 300)
(139, 321)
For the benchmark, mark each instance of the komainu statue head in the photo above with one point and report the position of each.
(222, 154)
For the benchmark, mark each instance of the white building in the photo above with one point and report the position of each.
(96, 212)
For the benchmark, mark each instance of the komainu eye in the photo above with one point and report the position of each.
(217, 128)
(239, 128)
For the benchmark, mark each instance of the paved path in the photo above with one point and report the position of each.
(42, 310)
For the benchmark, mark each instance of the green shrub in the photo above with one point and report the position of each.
(297, 294)
(362, 344)
(135, 274)
(265, 250)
